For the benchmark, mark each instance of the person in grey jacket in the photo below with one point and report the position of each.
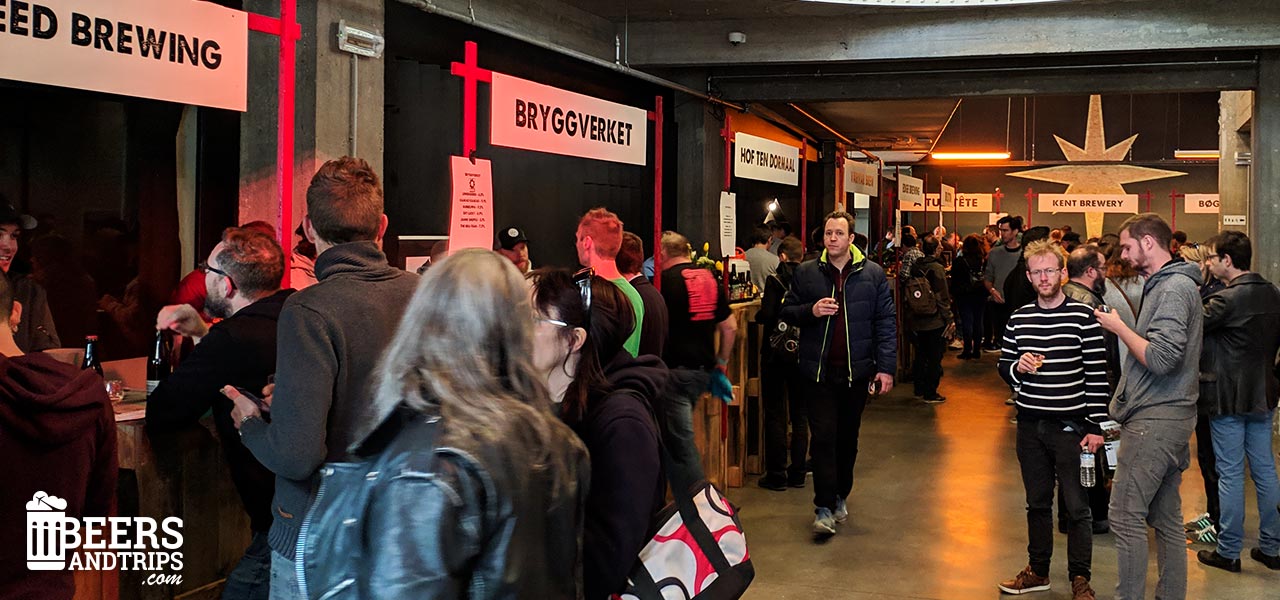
(330, 339)
(1155, 403)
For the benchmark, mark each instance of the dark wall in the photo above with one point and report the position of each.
(543, 193)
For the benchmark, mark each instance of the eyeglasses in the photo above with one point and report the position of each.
(217, 271)
(1038, 273)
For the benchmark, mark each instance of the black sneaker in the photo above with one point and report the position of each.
(1271, 562)
(1218, 561)
(795, 481)
(933, 399)
(777, 483)
(1101, 527)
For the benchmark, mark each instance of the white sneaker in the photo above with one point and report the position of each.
(956, 344)
(842, 511)
(824, 524)
(1010, 400)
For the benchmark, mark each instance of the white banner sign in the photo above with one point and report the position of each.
(910, 193)
(963, 202)
(1087, 203)
(948, 196)
(765, 160)
(471, 210)
(861, 178)
(1203, 204)
(186, 52)
(728, 223)
(532, 116)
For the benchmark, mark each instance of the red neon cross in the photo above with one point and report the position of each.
(1147, 196)
(1173, 207)
(998, 196)
(471, 73)
(1031, 197)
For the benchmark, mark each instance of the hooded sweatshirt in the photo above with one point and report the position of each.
(1172, 321)
(57, 436)
(627, 486)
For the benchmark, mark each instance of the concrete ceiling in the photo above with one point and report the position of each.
(876, 124)
(620, 11)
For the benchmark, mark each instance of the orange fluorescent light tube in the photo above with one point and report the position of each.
(1197, 154)
(970, 156)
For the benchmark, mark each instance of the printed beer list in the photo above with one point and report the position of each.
(471, 211)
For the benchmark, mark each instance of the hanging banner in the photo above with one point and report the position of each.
(861, 178)
(963, 202)
(861, 201)
(1087, 203)
(1202, 204)
(910, 193)
(185, 52)
(471, 205)
(765, 160)
(993, 217)
(532, 116)
(728, 223)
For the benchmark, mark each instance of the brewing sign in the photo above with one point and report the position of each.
(186, 52)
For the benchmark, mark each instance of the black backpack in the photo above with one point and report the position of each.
(918, 294)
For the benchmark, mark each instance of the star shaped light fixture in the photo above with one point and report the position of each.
(1096, 178)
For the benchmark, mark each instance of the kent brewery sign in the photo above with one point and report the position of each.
(175, 50)
(533, 116)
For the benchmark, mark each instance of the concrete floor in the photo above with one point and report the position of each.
(938, 511)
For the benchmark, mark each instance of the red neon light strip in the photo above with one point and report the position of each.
(284, 134)
(271, 25)
(804, 192)
(471, 73)
(656, 115)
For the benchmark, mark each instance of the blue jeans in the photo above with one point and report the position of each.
(251, 579)
(969, 314)
(284, 579)
(1234, 437)
(683, 390)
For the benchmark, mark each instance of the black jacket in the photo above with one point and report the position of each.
(239, 351)
(1241, 337)
(36, 331)
(1089, 298)
(870, 320)
(963, 271)
(932, 270)
(416, 519)
(331, 337)
(627, 486)
(653, 330)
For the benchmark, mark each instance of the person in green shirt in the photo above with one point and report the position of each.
(599, 238)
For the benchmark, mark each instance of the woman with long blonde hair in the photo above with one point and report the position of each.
(470, 486)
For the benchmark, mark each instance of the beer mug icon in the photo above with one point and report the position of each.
(46, 528)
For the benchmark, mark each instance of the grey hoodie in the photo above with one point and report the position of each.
(1172, 321)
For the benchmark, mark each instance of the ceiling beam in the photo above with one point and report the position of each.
(827, 85)
(1052, 28)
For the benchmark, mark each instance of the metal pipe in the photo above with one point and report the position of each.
(428, 7)
(821, 124)
(944, 127)
(995, 69)
(355, 101)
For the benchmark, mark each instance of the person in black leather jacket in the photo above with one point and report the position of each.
(470, 487)
(605, 395)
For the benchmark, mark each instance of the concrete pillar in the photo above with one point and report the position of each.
(1265, 216)
(699, 169)
(322, 112)
(1234, 111)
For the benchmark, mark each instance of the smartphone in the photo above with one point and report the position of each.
(262, 406)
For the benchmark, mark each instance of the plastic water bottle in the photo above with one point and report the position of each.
(1088, 469)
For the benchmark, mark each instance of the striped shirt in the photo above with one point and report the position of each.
(1072, 382)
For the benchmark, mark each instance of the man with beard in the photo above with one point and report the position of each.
(35, 329)
(1155, 404)
(1054, 356)
(242, 282)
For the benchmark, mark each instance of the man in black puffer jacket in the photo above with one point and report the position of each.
(848, 339)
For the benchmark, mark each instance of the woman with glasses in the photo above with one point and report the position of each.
(605, 395)
(470, 487)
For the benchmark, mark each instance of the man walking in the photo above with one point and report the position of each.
(242, 284)
(1000, 262)
(1238, 383)
(330, 339)
(699, 313)
(1054, 356)
(848, 349)
(598, 240)
(1155, 403)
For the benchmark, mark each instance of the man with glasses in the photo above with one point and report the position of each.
(1054, 356)
(242, 288)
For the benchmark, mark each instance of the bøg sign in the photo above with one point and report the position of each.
(532, 116)
(175, 50)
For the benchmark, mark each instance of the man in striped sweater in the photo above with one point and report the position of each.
(1055, 358)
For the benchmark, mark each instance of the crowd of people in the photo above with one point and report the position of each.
(487, 429)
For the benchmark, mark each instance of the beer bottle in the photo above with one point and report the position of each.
(158, 364)
(91, 354)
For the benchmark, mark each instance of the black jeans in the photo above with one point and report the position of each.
(969, 313)
(782, 398)
(1208, 467)
(993, 325)
(927, 367)
(835, 416)
(1048, 454)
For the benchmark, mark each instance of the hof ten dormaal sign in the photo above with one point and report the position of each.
(176, 50)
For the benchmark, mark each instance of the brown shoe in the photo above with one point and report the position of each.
(1025, 582)
(1080, 589)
